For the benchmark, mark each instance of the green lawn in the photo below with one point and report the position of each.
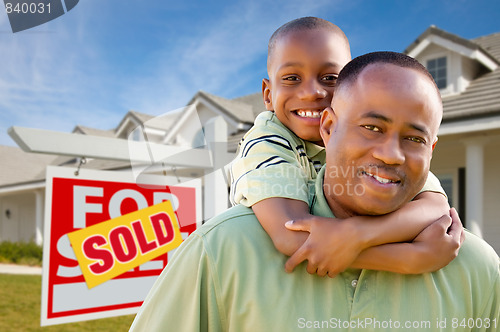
(20, 298)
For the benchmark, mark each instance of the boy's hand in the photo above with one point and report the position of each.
(438, 244)
(331, 247)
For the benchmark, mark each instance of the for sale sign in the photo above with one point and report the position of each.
(127, 218)
(111, 248)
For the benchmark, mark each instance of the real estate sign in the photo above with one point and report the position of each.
(118, 222)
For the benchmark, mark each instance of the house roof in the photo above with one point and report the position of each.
(490, 43)
(482, 96)
(451, 39)
(237, 110)
(22, 167)
(93, 131)
(133, 116)
(255, 101)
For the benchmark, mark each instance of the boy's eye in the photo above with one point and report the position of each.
(372, 128)
(329, 79)
(291, 78)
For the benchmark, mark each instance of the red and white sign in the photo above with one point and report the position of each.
(76, 202)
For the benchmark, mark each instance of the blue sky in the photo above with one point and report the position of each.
(106, 57)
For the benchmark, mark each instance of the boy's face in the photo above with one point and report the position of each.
(303, 69)
(379, 140)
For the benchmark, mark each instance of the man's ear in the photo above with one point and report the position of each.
(434, 144)
(266, 94)
(327, 124)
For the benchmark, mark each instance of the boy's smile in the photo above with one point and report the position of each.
(303, 69)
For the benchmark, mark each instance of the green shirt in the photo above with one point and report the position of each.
(273, 162)
(227, 276)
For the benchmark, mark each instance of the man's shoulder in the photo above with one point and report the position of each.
(476, 245)
(235, 218)
(477, 253)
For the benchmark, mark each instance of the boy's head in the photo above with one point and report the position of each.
(305, 57)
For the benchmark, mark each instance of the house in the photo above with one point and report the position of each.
(466, 71)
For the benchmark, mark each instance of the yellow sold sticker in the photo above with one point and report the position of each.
(113, 247)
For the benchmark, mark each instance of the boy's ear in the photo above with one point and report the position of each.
(266, 94)
(327, 124)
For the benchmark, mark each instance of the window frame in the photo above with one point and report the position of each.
(437, 78)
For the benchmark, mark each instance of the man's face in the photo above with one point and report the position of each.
(379, 140)
(303, 69)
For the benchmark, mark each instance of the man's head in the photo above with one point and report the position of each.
(380, 135)
(305, 57)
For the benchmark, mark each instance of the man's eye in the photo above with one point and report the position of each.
(416, 139)
(372, 128)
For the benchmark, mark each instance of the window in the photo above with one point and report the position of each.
(437, 68)
(199, 139)
(453, 184)
(137, 135)
(447, 184)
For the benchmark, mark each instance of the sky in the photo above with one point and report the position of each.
(104, 58)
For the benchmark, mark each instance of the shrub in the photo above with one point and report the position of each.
(28, 253)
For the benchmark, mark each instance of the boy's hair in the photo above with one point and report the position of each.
(351, 71)
(300, 24)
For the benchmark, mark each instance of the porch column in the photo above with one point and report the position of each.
(39, 217)
(474, 184)
(216, 195)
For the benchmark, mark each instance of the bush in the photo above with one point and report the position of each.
(28, 253)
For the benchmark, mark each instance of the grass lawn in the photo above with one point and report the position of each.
(20, 297)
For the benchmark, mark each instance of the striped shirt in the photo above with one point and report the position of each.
(273, 162)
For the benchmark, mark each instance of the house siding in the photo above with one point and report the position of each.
(450, 155)
(492, 194)
(20, 225)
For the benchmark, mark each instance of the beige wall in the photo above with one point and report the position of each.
(21, 225)
(492, 194)
(450, 154)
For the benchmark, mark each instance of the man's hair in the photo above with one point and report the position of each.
(351, 71)
(301, 24)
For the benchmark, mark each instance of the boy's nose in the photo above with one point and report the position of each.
(312, 90)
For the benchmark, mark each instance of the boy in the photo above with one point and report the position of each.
(283, 152)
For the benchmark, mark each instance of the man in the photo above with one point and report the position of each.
(379, 139)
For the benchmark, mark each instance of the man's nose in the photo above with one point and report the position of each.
(389, 150)
(312, 90)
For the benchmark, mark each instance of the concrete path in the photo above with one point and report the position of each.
(20, 269)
